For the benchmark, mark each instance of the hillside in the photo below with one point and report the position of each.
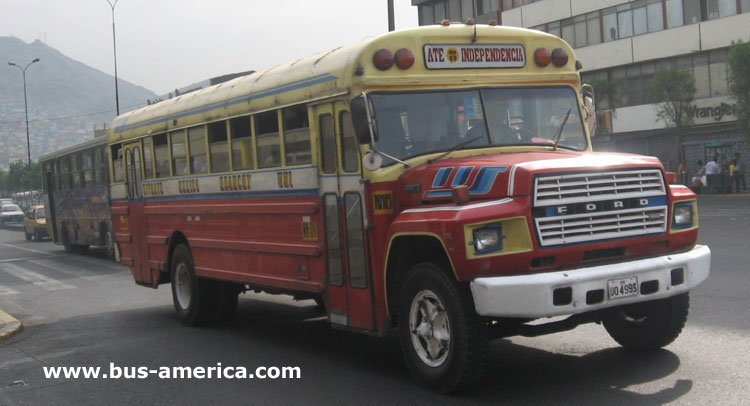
(66, 99)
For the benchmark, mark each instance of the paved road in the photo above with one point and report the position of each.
(81, 310)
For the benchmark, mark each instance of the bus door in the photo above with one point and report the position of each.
(349, 296)
(136, 220)
(49, 181)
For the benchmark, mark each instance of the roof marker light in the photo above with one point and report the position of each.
(383, 59)
(542, 57)
(559, 57)
(404, 58)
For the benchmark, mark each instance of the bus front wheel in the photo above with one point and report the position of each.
(191, 295)
(442, 338)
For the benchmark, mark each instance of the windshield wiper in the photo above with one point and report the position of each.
(458, 146)
(560, 130)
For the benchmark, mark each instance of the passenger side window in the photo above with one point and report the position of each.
(296, 135)
(198, 155)
(179, 153)
(242, 146)
(267, 138)
(148, 158)
(217, 143)
(161, 155)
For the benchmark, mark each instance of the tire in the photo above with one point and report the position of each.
(194, 298)
(442, 339)
(649, 325)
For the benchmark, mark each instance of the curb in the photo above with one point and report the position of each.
(8, 325)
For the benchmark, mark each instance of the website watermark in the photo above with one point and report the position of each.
(218, 371)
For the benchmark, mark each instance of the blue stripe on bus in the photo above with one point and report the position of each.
(441, 177)
(122, 124)
(485, 179)
(462, 175)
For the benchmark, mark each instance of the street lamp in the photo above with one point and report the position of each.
(25, 103)
(114, 47)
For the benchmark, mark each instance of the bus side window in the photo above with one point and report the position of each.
(327, 144)
(148, 158)
(349, 145)
(217, 144)
(75, 170)
(88, 168)
(161, 155)
(117, 172)
(198, 156)
(296, 135)
(242, 146)
(179, 153)
(267, 137)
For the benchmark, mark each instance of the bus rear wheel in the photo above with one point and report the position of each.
(194, 298)
(442, 339)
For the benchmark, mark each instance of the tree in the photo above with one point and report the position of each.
(606, 97)
(738, 62)
(673, 90)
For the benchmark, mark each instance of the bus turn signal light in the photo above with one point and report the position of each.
(404, 58)
(383, 59)
(542, 57)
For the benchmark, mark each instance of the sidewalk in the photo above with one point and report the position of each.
(8, 325)
(743, 195)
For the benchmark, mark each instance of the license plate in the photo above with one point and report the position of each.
(624, 287)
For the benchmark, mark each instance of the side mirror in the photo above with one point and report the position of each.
(361, 121)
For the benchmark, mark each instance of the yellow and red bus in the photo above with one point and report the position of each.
(436, 180)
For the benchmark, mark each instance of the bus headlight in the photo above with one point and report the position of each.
(683, 215)
(488, 239)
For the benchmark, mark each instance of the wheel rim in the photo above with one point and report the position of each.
(429, 328)
(182, 285)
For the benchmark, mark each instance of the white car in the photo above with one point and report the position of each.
(10, 213)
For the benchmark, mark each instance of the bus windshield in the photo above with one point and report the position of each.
(417, 123)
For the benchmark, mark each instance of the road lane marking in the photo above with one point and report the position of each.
(34, 278)
(4, 290)
(26, 249)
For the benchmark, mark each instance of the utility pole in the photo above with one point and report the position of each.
(114, 47)
(26, 104)
(391, 18)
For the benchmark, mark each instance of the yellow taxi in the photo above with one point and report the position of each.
(35, 223)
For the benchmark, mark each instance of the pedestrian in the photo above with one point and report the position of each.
(713, 172)
(699, 180)
(734, 180)
(740, 171)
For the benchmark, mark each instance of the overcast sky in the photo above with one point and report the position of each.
(168, 44)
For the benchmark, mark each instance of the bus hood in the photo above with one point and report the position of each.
(504, 174)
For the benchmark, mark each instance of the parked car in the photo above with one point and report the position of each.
(10, 213)
(35, 223)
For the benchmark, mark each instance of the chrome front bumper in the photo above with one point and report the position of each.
(534, 295)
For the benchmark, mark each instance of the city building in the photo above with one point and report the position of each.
(623, 43)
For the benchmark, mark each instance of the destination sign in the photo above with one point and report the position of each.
(454, 56)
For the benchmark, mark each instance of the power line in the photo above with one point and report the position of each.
(64, 117)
